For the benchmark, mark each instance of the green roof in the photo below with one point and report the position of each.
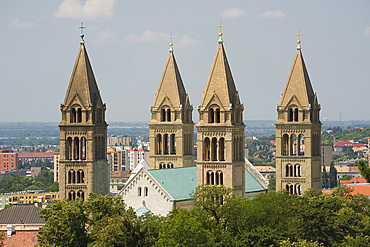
(142, 210)
(251, 184)
(181, 182)
(178, 182)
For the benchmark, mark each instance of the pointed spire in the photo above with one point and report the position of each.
(220, 80)
(298, 83)
(82, 82)
(171, 85)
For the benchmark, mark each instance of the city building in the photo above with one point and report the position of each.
(33, 171)
(171, 128)
(341, 145)
(32, 197)
(83, 166)
(118, 179)
(8, 162)
(298, 132)
(115, 141)
(30, 158)
(136, 156)
(20, 224)
(326, 154)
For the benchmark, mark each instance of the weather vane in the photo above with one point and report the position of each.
(220, 34)
(171, 38)
(299, 39)
(82, 27)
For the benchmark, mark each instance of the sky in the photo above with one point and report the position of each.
(127, 43)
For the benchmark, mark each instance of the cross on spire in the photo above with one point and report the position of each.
(299, 39)
(82, 27)
(171, 38)
(220, 34)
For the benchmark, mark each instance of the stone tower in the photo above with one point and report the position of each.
(83, 135)
(171, 129)
(298, 133)
(220, 130)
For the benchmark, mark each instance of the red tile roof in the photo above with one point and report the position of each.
(120, 174)
(21, 238)
(37, 155)
(265, 169)
(354, 180)
(363, 189)
(343, 144)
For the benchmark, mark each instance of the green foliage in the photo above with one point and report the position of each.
(325, 178)
(346, 135)
(272, 182)
(217, 219)
(100, 221)
(65, 224)
(2, 238)
(364, 169)
(43, 181)
(333, 176)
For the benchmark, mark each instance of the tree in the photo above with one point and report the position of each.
(333, 176)
(325, 178)
(272, 182)
(364, 169)
(65, 224)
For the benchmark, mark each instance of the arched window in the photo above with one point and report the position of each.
(80, 176)
(290, 115)
(173, 144)
(79, 115)
(221, 149)
(301, 144)
(219, 178)
(146, 191)
(285, 146)
(76, 149)
(158, 146)
(81, 195)
(73, 115)
(217, 115)
(211, 116)
(168, 115)
(160, 166)
(208, 177)
(287, 170)
(214, 149)
(297, 170)
(165, 144)
(207, 149)
(69, 148)
(163, 115)
(72, 195)
(139, 191)
(293, 145)
(296, 114)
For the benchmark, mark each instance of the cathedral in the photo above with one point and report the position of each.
(173, 173)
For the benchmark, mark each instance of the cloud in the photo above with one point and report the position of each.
(147, 37)
(273, 14)
(188, 41)
(92, 9)
(21, 24)
(233, 13)
(367, 31)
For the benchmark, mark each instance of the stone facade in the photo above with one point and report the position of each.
(83, 166)
(171, 129)
(220, 130)
(298, 133)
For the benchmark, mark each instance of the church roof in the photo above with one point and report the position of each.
(181, 182)
(298, 83)
(220, 80)
(82, 81)
(171, 84)
(178, 182)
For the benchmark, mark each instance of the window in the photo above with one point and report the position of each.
(146, 191)
(139, 192)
